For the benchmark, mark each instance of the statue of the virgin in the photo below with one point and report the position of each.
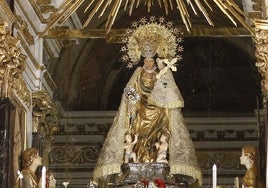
(151, 105)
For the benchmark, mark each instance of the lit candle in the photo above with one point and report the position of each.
(43, 181)
(20, 178)
(65, 184)
(214, 176)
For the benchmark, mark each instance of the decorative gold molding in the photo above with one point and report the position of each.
(115, 35)
(20, 84)
(24, 12)
(12, 64)
(42, 7)
(261, 40)
(7, 11)
(22, 26)
(29, 53)
(45, 120)
(257, 10)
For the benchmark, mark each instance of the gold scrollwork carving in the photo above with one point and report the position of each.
(45, 6)
(19, 84)
(261, 41)
(12, 64)
(42, 7)
(6, 11)
(22, 25)
(45, 120)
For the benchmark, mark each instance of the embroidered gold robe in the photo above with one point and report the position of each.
(158, 112)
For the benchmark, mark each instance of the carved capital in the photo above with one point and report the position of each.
(46, 111)
(45, 120)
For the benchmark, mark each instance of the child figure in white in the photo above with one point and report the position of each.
(162, 147)
(129, 145)
(165, 91)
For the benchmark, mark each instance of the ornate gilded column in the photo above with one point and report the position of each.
(45, 121)
(11, 61)
(12, 64)
(261, 42)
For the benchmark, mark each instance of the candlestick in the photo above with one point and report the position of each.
(43, 181)
(214, 176)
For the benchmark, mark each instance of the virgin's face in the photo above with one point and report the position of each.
(149, 63)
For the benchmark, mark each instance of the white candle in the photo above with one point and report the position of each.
(43, 181)
(65, 184)
(214, 176)
(20, 178)
(236, 182)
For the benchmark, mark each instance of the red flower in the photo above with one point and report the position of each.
(160, 183)
(145, 182)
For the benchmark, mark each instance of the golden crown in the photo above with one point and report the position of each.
(148, 38)
(147, 42)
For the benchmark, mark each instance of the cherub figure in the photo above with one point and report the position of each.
(129, 145)
(162, 148)
(165, 91)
